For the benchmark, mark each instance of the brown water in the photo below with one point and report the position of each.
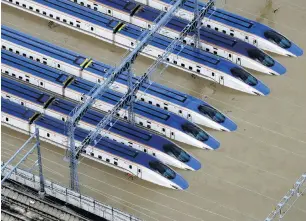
(254, 166)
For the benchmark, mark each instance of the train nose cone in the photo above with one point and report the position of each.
(194, 164)
(229, 125)
(262, 89)
(296, 50)
(212, 143)
(180, 181)
(279, 69)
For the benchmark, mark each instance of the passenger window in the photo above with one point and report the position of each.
(95, 8)
(150, 102)
(175, 62)
(166, 108)
(208, 26)
(217, 29)
(91, 28)
(130, 166)
(232, 34)
(149, 126)
(190, 68)
(92, 154)
(212, 74)
(115, 163)
(141, 123)
(230, 55)
(246, 37)
(215, 52)
(41, 83)
(145, 150)
(183, 65)
(224, 31)
(48, 135)
(107, 160)
(109, 11)
(100, 157)
(207, 49)
(198, 70)
(158, 105)
(6, 119)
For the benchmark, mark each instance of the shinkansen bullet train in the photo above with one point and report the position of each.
(189, 107)
(108, 152)
(159, 120)
(111, 30)
(237, 26)
(129, 135)
(228, 47)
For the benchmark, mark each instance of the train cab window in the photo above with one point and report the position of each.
(162, 169)
(217, 29)
(261, 57)
(212, 113)
(48, 135)
(208, 26)
(130, 166)
(176, 152)
(244, 76)
(195, 131)
(6, 119)
(232, 34)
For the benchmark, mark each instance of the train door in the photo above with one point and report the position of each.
(139, 173)
(230, 57)
(221, 80)
(238, 61)
(172, 135)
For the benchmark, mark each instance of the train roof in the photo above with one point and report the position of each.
(100, 69)
(83, 87)
(58, 126)
(237, 21)
(91, 116)
(134, 32)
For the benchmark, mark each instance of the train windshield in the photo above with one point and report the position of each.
(277, 39)
(261, 57)
(162, 169)
(244, 76)
(176, 152)
(212, 113)
(195, 131)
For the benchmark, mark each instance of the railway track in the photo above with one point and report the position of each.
(33, 208)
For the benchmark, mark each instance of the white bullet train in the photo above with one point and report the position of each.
(237, 26)
(127, 134)
(107, 152)
(111, 30)
(189, 107)
(230, 48)
(147, 116)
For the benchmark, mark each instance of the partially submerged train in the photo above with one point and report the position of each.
(189, 107)
(111, 30)
(108, 152)
(127, 134)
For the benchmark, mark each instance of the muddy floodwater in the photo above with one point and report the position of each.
(255, 165)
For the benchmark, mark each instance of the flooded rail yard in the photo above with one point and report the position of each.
(253, 168)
